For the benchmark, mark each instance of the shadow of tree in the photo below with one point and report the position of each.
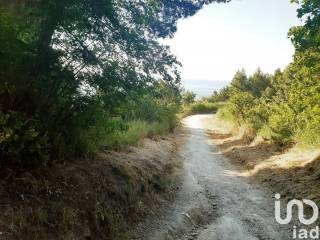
(296, 182)
(249, 156)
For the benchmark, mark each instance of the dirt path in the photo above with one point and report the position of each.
(214, 202)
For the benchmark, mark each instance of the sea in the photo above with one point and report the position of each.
(203, 88)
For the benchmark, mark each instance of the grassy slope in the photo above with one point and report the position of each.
(98, 198)
(136, 132)
(200, 107)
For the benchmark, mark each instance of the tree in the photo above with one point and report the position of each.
(258, 82)
(240, 81)
(65, 62)
(307, 35)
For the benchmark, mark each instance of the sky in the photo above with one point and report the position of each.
(222, 38)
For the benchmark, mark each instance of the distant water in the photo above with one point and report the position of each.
(203, 88)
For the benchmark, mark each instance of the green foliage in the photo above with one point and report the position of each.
(200, 107)
(281, 110)
(225, 114)
(74, 72)
(282, 124)
(257, 116)
(307, 36)
(240, 81)
(92, 138)
(21, 141)
(240, 103)
(188, 97)
(258, 82)
(135, 132)
(220, 96)
(286, 107)
(255, 84)
(310, 134)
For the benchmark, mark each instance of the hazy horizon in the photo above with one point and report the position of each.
(203, 88)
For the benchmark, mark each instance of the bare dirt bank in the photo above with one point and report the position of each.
(293, 172)
(99, 198)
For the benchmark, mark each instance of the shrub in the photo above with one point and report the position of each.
(310, 132)
(258, 115)
(225, 114)
(22, 140)
(281, 124)
(240, 104)
(200, 108)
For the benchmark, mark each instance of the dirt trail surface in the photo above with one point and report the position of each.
(214, 202)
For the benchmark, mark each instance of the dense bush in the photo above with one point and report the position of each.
(286, 110)
(199, 107)
(188, 97)
(135, 132)
(240, 105)
(20, 140)
(219, 96)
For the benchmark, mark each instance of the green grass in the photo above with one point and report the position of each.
(225, 114)
(136, 132)
(308, 137)
(199, 108)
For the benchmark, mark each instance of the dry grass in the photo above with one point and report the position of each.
(97, 198)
